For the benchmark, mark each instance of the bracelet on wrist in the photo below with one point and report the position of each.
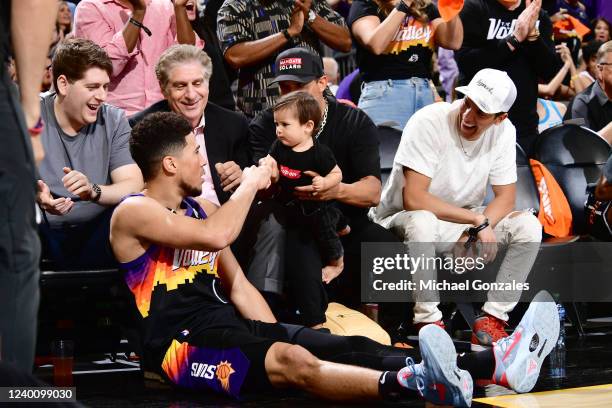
(475, 230)
(287, 35)
(37, 128)
(140, 25)
(513, 41)
(98, 191)
(534, 35)
(473, 233)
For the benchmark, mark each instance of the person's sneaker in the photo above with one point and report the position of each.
(419, 326)
(486, 331)
(519, 357)
(437, 378)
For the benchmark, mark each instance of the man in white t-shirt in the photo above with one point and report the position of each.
(447, 156)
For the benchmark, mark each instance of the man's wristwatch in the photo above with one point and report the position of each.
(98, 191)
(311, 16)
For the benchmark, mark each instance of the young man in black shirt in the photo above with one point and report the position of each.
(353, 139)
(513, 37)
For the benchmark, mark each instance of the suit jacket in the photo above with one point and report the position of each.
(225, 135)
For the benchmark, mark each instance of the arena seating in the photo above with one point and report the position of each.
(575, 156)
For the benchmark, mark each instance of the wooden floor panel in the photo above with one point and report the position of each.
(591, 397)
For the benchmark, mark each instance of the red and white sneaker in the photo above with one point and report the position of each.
(486, 331)
(420, 325)
(519, 357)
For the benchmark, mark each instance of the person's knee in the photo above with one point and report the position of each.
(298, 364)
(420, 226)
(524, 227)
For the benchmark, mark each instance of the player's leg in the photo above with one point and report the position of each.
(290, 365)
(437, 378)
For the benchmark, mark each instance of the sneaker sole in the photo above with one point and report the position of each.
(478, 347)
(542, 319)
(439, 356)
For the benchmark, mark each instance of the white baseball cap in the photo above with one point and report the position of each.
(491, 90)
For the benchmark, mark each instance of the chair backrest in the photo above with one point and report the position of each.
(527, 196)
(575, 156)
(389, 141)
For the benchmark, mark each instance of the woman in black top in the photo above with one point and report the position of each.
(395, 43)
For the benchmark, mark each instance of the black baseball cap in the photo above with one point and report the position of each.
(299, 65)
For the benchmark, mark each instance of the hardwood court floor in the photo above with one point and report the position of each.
(594, 396)
(588, 383)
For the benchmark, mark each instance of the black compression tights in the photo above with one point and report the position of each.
(361, 351)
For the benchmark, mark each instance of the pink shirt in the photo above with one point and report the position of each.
(133, 85)
(208, 188)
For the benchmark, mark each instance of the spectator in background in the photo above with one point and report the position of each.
(589, 70)
(330, 68)
(204, 22)
(134, 33)
(594, 104)
(63, 24)
(26, 27)
(510, 36)
(47, 78)
(555, 89)
(184, 72)
(253, 33)
(88, 167)
(601, 30)
(395, 44)
(550, 112)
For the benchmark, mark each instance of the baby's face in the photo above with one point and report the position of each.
(289, 130)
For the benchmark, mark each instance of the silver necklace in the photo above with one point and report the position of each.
(324, 121)
(459, 134)
(463, 148)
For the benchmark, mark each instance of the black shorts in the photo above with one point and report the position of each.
(225, 360)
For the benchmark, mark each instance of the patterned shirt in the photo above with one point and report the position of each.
(251, 20)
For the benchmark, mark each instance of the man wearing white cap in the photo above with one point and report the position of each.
(447, 155)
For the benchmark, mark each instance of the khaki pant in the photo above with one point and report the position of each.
(424, 234)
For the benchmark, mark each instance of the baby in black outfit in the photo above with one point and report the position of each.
(301, 161)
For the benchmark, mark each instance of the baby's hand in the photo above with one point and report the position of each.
(318, 183)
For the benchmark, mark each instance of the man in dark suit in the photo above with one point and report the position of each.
(184, 72)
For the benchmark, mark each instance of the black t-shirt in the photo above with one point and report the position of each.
(486, 24)
(349, 133)
(407, 55)
(292, 165)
